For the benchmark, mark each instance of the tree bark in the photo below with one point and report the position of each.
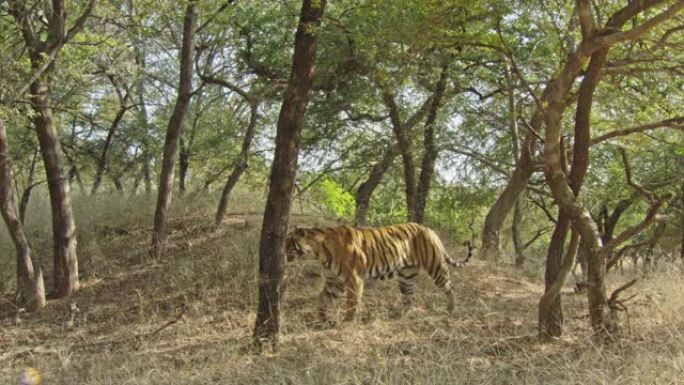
(30, 184)
(183, 165)
(491, 230)
(366, 189)
(404, 145)
(552, 323)
(430, 150)
(516, 225)
(29, 280)
(283, 172)
(173, 132)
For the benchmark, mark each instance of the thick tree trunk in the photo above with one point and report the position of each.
(491, 231)
(404, 145)
(551, 323)
(283, 171)
(430, 151)
(173, 132)
(65, 271)
(366, 189)
(29, 280)
(241, 164)
(104, 155)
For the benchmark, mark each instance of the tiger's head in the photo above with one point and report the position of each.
(297, 244)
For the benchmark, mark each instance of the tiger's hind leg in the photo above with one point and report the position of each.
(407, 286)
(443, 281)
(332, 290)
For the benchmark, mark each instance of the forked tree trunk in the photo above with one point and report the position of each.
(43, 49)
(29, 279)
(366, 189)
(430, 150)
(283, 171)
(173, 132)
(491, 231)
(65, 273)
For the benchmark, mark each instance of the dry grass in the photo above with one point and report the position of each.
(129, 331)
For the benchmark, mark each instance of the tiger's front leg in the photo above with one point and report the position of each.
(332, 290)
(354, 293)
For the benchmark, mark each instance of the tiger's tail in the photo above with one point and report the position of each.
(464, 262)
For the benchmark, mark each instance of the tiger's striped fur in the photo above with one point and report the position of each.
(352, 254)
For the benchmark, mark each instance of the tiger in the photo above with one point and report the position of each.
(352, 254)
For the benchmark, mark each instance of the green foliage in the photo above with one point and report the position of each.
(334, 198)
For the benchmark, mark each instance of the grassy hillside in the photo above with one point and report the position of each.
(188, 318)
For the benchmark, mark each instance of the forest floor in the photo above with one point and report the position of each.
(188, 320)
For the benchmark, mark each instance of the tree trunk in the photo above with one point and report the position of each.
(516, 226)
(30, 281)
(283, 171)
(241, 164)
(65, 271)
(42, 54)
(366, 189)
(30, 184)
(551, 323)
(430, 151)
(143, 122)
(104, 155)
(550, 308)
(516, 230)
(183, 165)
(173, 132)
(491, 231)
(404, 145)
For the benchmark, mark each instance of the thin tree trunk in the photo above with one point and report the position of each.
(430, 151)
(30, 281)
(104, 155)
(284, 169)
(183, 165)
(491, 231)
(516, 230)
(173, 132)
(366, 189)
(516, 225)
(241, 164)
(30, 184)
(143, 122)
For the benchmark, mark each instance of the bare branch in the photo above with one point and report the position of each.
(675, 123)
